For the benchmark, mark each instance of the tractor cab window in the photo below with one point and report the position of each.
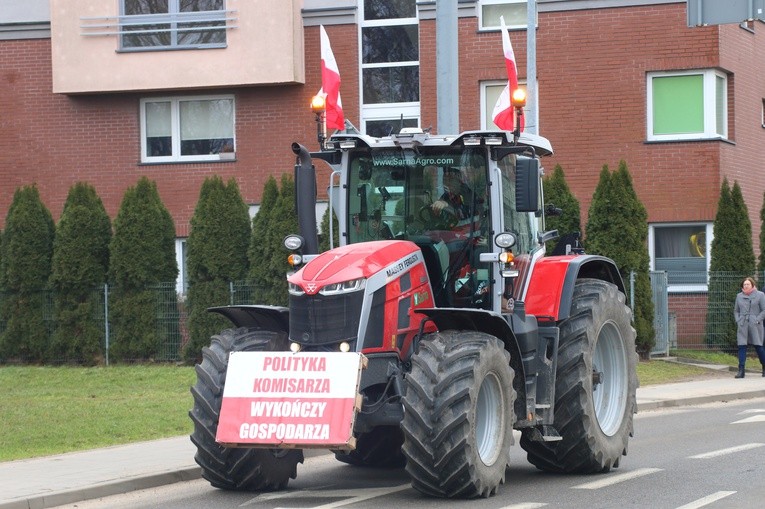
(526, 225)
(436, 199)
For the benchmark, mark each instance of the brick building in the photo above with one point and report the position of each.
(106, 92)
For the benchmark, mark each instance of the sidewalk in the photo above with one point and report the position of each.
(69, 478)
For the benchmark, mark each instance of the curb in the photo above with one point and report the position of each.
(104, 489)
(699, 400)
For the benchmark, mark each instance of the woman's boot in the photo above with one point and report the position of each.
(741, 361)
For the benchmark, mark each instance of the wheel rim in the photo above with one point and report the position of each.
(489, 419)
(609, 379)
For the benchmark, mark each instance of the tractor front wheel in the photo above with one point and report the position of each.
(458, 415)
(235, 468)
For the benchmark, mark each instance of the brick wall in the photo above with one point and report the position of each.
(592, 67)
(56, 140)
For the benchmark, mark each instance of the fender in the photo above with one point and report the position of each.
(551, 288)
(273, 318)
(482, 321)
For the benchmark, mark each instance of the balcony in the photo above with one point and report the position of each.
(96, 50)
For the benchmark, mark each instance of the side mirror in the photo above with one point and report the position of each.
(526, 184)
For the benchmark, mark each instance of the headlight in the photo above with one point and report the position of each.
(344, 287)
(505, 240)
(293, 242)
(294, 289)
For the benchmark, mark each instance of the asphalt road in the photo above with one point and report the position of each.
(682, 458)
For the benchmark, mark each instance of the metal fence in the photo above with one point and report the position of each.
(687, 316)
(170, 321)
(694, 316)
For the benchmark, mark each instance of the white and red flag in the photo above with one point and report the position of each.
(330, 84)
(504, 113)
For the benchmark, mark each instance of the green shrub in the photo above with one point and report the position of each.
(80, 265)
(27, 249)
(142, 255)
(268, 257)
(557, 193)
(617, 227)
(732, 258)
(217, 246)
(324, 234)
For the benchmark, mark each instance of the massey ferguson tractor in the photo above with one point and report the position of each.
(432, 329)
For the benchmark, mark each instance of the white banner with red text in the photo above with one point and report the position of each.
(284, 399)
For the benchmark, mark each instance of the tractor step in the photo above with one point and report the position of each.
(544, 433)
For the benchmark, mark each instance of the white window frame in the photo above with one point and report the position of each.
(383, 111)
(487, 123)
(490, 28)
(710, 106)
(652, 250)
(181, 254)
(175, 129)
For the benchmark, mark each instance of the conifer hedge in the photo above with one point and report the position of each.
(261, 246)
(732, 258)
(557, 193)
(217, 245)
(324, 233)
(268, 257)
(27, 249)
(142, 255)
(761, 258)
(80, 266)
(617, 227)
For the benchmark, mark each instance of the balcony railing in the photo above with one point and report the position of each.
(151, 32)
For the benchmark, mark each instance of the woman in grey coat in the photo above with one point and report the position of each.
(749, 312)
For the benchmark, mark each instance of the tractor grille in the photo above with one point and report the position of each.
(319, 319)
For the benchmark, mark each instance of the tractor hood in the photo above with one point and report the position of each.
(351, 262)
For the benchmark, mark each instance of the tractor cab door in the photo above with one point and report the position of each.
(522, 215)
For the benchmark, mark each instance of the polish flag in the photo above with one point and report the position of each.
(504, 113)
(330, 84)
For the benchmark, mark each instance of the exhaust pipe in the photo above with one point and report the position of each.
(305, 198)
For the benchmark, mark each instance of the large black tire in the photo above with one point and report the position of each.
(380, 448)
(595, 386)
(235, 468)
(458, 415)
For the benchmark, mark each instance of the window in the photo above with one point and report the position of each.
(689, 105)
(514, 12)
(162, 24)
(187, 128)
(390, 67)
(682, 251)
(490, 91)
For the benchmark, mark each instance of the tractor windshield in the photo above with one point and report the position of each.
(436, 199)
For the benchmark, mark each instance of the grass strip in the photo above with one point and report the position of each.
(51, 410)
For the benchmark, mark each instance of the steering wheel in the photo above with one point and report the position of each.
(446, 219)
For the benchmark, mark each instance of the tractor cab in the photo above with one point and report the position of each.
(452, 196)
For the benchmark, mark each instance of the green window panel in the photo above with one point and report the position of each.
(678, 104)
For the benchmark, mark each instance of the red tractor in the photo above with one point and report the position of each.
(467, 331)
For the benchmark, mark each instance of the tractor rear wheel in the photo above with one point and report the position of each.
(595, 386)
(235, 468)
(458, 415)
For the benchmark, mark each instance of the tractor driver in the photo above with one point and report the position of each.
(457, 197)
